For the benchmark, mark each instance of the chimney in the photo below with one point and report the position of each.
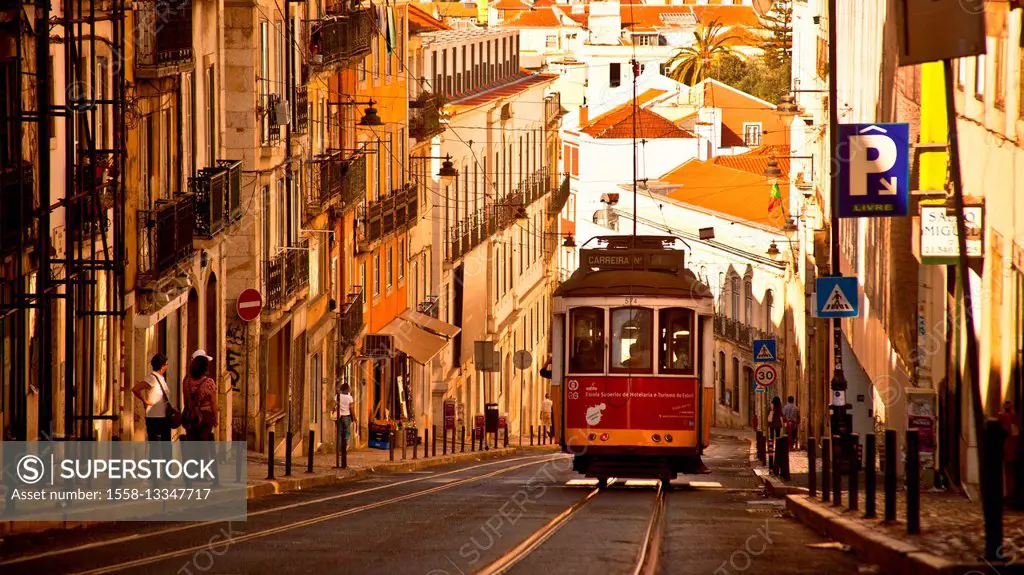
(584, 115)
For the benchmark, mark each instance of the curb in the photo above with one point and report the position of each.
(892, 555)
(285, 485)
(775, 487)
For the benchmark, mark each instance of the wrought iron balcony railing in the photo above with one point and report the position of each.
(395, 211)
(560, 197)
(166, 233)
(286, 274)
(301, 124)
(552, 108)
(163, 37)
(425, 116)
(340, 37)
(351, 315)
(217, 192)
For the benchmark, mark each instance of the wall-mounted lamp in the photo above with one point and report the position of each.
(447, 173)
(773, 250)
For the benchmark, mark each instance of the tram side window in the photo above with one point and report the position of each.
(676, 341)
(631, 340)
(587, 341)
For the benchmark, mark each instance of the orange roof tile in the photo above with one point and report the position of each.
(618, 123)
(738, 15)
(649, 17)
(422, 21)
(731, 185)
(535, 18)
(756, 161)
(579, 17)
(455, 10)
(540, 3)
(510, 5)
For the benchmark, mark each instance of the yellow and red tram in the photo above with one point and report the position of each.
(632, 348)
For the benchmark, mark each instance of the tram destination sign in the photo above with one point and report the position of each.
(632, 259)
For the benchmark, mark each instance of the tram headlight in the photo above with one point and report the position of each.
(592, 437)
(668, 438)
(656, 438)
(604, 437)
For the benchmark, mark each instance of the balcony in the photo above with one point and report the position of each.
(553, 109)
(466, 235)
(339, 38)
(16, 186)
(430, 306)
(166, 234)
(301, 124)
(393, 212)
(425, 116)
(286, 274)
(163, 37)
(557, 200)
(351, 316)
(332, 177)
(739, 333)
(217, 192)
(535, 186)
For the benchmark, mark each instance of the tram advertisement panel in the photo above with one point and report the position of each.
(631, 403)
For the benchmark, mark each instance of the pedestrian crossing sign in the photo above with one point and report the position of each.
(764, 351)
(837, 297)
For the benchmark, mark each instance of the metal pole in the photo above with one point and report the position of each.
(838, 384)
(837, 476)
(245, 399)
(913, 474)
(992, 506)
(812, 466)
(854, 472)
(309, 452)
(870, 479)
(270, 455)
(973, 370)
(288, 452)
(636, 71)
(826, 465)
(890, 475)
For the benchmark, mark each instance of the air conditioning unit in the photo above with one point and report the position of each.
(278, 112)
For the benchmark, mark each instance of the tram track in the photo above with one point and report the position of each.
(646, 562)
(134, 539)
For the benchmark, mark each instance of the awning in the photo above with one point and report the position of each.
(435, 325)
(417, 343)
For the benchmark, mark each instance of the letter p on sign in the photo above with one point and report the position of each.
(873, 161)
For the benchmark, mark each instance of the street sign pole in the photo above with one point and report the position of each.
(838, 405)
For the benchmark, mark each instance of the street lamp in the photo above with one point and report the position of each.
(370, 115)
(447, 173)
(772, 171)
(773, 250)
(569, 243)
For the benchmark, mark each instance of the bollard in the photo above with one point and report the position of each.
(270, 455)
(992, 496)
(854, 496)
(812, 467)
(913, 474)
(770, 444)
(531, 435)
(760, 443)
(337, 443)
(444, 441)
(426, 443)
(472, 440)
(462, 438)
(506, 437)
(784, 458)
(416, 444)
(309, 452)
(837, 477)
(288, 454)
(869, 475)
(240, 448)
(391, 445)
(453, 439)
(433, 440)
(826, 465)
(890, 475)
(344, 448)
(483, 437)
(405, 439)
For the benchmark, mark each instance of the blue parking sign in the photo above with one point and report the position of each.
(874, 170)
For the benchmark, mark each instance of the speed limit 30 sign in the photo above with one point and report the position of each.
(765, 374)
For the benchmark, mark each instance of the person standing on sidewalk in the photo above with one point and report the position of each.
(199, 413)
(791, 419)
(775, 424)
(546, 408)
(342, 414)
(153, 394)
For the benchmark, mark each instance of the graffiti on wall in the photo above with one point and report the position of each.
(236, 353)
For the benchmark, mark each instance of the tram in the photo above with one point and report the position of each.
(632, 348)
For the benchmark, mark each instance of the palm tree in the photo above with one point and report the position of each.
(698, 61)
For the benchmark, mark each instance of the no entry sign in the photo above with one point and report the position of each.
(250, 304)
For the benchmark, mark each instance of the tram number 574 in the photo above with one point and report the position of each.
(630, 301)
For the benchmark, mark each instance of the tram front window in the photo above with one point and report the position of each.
(587, 341)
(631, 340)
(676, 341)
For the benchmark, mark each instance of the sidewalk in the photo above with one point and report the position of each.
(361, 463)
(952, 527)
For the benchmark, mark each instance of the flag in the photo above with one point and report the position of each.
(774, 199)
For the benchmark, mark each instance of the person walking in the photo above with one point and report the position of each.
(153, 394)
(199, 413)
(342, 414)
(546, 408)
(791, 419)
(775, 424)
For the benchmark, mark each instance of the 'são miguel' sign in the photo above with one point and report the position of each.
(939, 233)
